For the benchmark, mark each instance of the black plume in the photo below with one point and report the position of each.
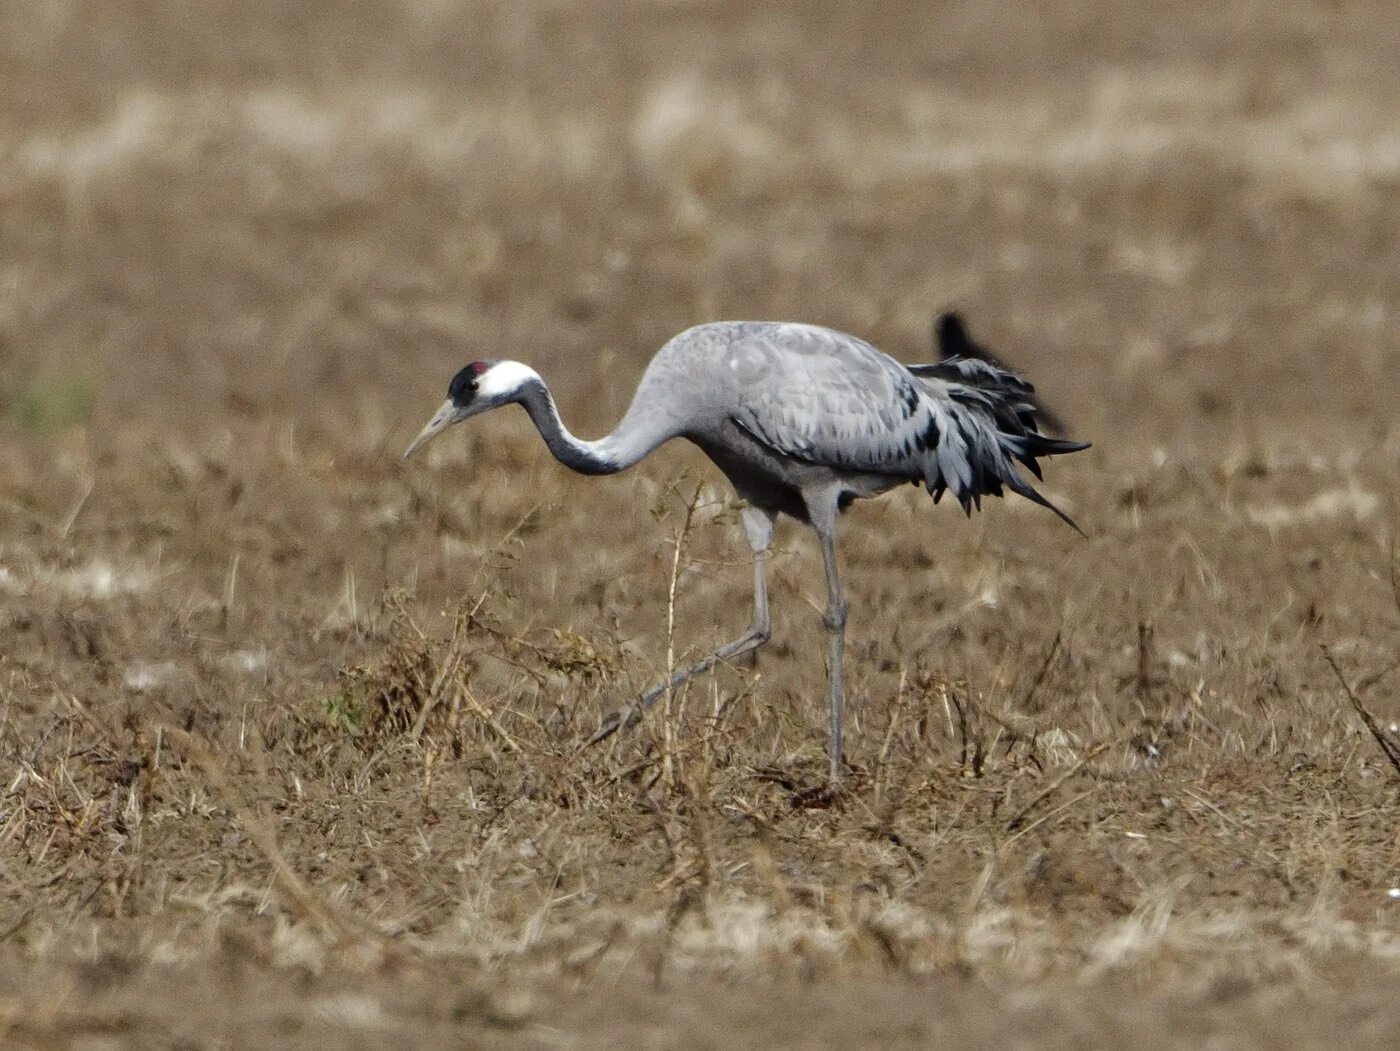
(951, 340)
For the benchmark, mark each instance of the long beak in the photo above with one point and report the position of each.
(444, 418)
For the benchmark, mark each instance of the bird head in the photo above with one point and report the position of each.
(480, 386)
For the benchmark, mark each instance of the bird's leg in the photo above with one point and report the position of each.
(758, 527)
(835, 622)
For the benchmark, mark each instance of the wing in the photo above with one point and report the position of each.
(831, 399)
(827, 398)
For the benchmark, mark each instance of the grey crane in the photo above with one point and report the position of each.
(802, 420)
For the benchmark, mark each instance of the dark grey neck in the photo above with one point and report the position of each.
(627, 444)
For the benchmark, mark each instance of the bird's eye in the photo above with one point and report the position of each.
(462, 389)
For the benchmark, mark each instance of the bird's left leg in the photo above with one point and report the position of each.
(758, 528)
(835, 622)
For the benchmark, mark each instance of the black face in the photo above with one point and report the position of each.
(462, 389)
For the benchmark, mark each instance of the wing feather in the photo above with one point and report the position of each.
(831, 399)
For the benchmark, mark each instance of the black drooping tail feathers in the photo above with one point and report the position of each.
(952, 340)
(979, 381)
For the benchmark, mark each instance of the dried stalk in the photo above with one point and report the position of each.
(670, 715)
(1388, 744)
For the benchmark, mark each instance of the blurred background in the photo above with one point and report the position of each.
(1180, 223)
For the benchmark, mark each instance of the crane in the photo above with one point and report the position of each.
(802, 420)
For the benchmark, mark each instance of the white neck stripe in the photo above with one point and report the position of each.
(504, 377)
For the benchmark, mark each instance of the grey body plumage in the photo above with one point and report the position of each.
(801, 420)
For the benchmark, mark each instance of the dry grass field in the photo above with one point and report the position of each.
(289, 729)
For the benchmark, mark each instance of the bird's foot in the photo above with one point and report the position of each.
(817, 797)
(622, 719)
(820, 796)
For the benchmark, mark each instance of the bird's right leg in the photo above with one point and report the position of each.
(758, 527)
